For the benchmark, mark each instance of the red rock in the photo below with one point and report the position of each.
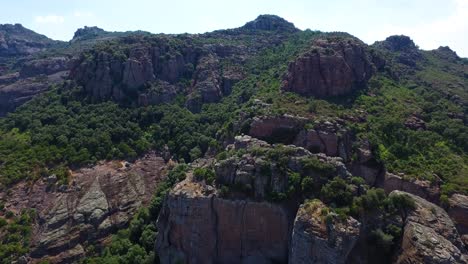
(331, 67)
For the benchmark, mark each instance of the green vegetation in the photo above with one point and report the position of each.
(15, 232)
(135, 244)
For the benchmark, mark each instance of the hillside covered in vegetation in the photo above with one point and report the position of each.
(308, 130)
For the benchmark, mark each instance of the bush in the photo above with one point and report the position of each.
(204, 174)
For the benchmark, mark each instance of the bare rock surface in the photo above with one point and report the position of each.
(429, 235)
(98, 200)
(331, 67)
(314, 240)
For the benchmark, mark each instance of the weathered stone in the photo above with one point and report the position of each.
(281, 129)
(422, 188)
(331, 67)
(429, 235)
(231, 231)
(458, 211)
(108, 196)
(314, 240)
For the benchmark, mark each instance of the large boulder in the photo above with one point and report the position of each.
(320, 237)
(429, 235)
(331, 67)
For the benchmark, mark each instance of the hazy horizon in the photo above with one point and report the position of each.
(430, 24)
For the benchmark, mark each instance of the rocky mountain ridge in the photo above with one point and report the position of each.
(276, 145)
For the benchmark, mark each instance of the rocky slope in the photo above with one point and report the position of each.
(294, 147)
(97, 201)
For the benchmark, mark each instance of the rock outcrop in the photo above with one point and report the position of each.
(316, 240)
(15, 40)
(277, 129)
(96, 202)
(429, 235)
(422, 188)
(15, 94)
(46, 66)
(241, 224)
(232, 231)
(270, 23)
(406, 52)
(458, 211)
(331, 67)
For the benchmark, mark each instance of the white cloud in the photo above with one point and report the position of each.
(49, 19)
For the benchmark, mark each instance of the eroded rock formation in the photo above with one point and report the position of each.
(429, 235)
(331, 67)
(96, 202)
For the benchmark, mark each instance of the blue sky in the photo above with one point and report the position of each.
(431, 23)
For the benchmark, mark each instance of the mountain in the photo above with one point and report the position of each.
(257, 144)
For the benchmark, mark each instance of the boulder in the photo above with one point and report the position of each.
(429, 235)
(331, 67)
(318, 240)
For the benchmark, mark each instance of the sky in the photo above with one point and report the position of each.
(430, 23)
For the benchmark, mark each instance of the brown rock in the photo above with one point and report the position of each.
(331, 67)
(231, 231)
(281, 129)
(458, 211)
(316, 240)
(99, 200)
(422, 188)
(429, 235)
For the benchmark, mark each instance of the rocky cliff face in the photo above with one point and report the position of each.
(429, 235)
(97, 202)
(148, 63)
(331, 67)
(240, 229)
(315, 240)
(16, 40)
(232, 231)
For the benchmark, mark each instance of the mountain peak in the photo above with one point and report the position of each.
(270, 23)
(399, 43)
(88, 32)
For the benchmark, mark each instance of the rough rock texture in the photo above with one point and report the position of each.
(46, 66)
(406, 51)
(152, 71)
(97, 201)
(326, 137)
(331, 67)
(316, 241)
(16, 40)
(241, 227)
(280, 129)
(260, 175)
(415, 123)
(196, 226)
(271, 23)
(422, 188)
(458, 211)
(429, 235)
(17, 93)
